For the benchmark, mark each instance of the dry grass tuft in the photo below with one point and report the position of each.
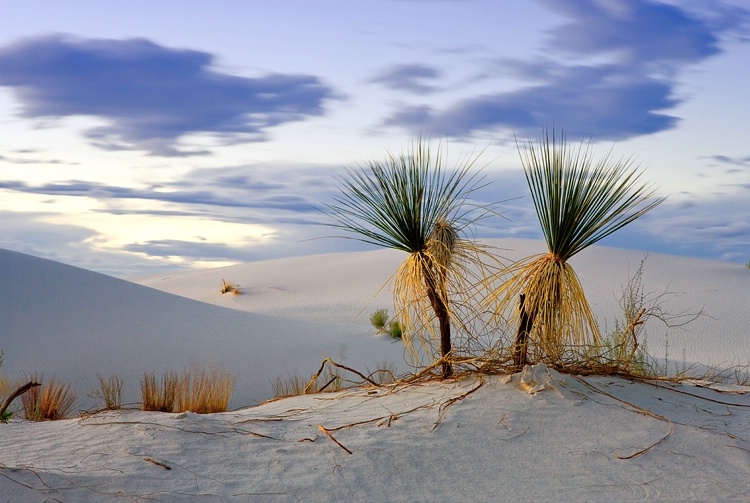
(204, 392)
(196, 390)
(228, 287)
(48, 402)
(159, 395)
(110, 391)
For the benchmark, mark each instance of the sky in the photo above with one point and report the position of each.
(141, 137)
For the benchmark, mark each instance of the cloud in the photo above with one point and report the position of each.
(246, 194)
(151, 95)
(613, 75)
(597, 102)
(410, 78)
(637, 31)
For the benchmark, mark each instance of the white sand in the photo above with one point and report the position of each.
(499, 443)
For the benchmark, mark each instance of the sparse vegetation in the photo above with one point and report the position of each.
(110, 391)
(228, 287)
(331, 380)
(578, 202)
(48, 402)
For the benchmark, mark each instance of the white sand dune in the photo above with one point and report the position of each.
(478, 439)
(73, 324)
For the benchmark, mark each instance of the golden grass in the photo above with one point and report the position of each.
(204, 391)
(196, 390)
(48, 402)
(110, 391)
(159, 395)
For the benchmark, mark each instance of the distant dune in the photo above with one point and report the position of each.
(293, 312)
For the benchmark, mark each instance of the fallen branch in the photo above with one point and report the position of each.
(20, 391)
(157, 463)
(343, 367)
(331, 437)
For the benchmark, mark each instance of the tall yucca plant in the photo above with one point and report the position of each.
(578, 201)
(411, 202)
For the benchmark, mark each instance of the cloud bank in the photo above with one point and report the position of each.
(608, 73)
(150, 95)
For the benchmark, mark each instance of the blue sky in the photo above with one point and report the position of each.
(145, 136)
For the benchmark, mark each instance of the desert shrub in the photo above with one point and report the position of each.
(378, 319)
(623, 348)
(204, 392)
(48, 402)
(159, 395)
(228, 287)
(110, 391)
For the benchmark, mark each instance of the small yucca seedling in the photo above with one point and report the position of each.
(395, 330)
(48, 402)
(379, 319)
(228, 287)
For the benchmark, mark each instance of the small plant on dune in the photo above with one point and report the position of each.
(395, 330)
(159, 395)
(48, 402)
(204, 392)
(110, 391)
(578, 202)
(412, 202)
(228, 287)
(379, 318)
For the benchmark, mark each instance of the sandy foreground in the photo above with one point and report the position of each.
(477, 439)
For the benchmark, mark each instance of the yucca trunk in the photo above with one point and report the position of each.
(435, 285)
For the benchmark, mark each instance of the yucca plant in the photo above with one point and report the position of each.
(412, 202)
(579, 201)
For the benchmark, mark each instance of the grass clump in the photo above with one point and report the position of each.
(197, 390)
(48, 402)
(110, 391)
(159, 395)
(204, 392)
